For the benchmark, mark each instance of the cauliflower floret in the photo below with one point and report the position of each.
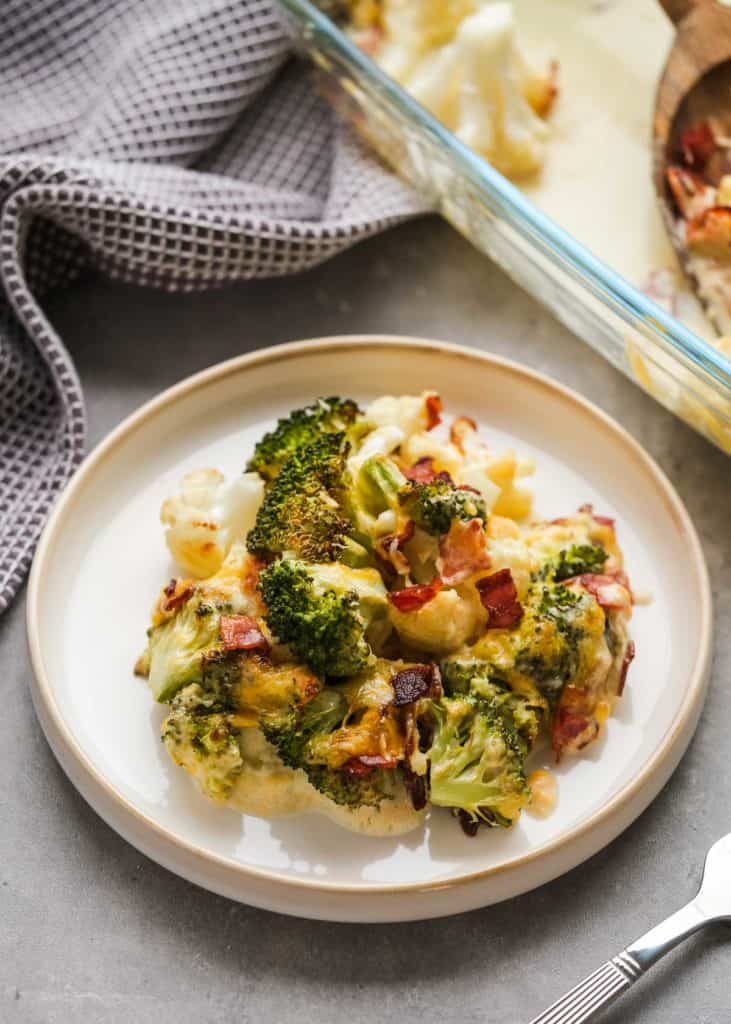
(447, 457)
(408, 413)
(208, 516)
(444, 624)
(461, 62)
(413, 29)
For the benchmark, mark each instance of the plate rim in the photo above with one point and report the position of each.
(64, 744)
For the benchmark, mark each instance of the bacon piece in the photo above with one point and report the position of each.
(413, 683)
(470, 826)
(423, 472)
(242, 633)
(433, 411)
(697, 144)
(416, 787)
(461, 427)
(626, 662)
(389, 548)
(709, 233)
(176, 593)
(500, 597)
(367, 763)
(411, 599)
(691, 193)
(567, 727)
(463, 551)
(609, 590)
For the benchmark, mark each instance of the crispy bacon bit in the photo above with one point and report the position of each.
(411, 599)
(423, 472)
(176, 593)
(609, 590)
(414, 683)
(463, 552)
(709, 233)
(697, 144)
(415, 786)
(691, 193)
(242, 633)
(389, 548)
(367, 763)
(470, 826)
(433, 411)
(500, 597)
(567, 727)
(626, 662)
(460, 429)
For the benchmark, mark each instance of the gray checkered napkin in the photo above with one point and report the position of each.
(169, 143)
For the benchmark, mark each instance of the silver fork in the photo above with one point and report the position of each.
(595, 993)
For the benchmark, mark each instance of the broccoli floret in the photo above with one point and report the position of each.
(323, 612)
(292, 731)
(574, 561)
(476, 761)
(178, 648)
(550, 653)
(435, 505)
(301, 428)
(522, 712)
(220, 678)
(203, 741)
(293, 735)
(300, 513)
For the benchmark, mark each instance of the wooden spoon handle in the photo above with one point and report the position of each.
(676, 10)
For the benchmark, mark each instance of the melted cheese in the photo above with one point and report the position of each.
(267, 789)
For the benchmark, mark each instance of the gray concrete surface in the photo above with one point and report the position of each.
(92, 931)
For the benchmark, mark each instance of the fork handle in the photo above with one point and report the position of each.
(591, 996)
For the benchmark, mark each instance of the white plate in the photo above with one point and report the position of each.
(102, 560)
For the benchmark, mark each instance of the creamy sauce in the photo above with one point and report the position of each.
(544, 789)
(597, 178)
(267, 789)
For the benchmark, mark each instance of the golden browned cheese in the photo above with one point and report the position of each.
(265, 688)
(373, 727)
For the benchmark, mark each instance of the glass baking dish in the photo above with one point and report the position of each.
(653, 348)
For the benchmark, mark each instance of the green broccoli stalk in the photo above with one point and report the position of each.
(433, 506)
(323, 612)
(379, 484)
(301, 514)
(476, 761)
(301, 428)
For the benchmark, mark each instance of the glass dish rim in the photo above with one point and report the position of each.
(523, 214)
